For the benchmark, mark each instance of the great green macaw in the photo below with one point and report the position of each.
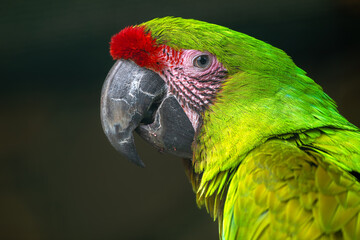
(265, 149)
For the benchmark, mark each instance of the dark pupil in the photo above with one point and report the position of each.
(202, 60)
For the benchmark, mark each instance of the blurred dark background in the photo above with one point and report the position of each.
(59, 176)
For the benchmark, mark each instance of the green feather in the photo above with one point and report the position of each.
(237, 51)
(272, 156)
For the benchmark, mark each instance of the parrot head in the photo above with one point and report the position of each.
(205, 92)
(158, 89)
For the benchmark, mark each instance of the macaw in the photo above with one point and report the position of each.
(265, 149)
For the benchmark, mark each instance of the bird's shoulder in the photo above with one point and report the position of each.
(281, 191)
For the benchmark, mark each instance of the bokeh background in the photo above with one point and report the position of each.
(59, 176)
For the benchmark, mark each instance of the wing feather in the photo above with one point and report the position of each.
(280, 191)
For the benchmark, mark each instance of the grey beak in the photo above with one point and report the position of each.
(137, 99)
(128, 93)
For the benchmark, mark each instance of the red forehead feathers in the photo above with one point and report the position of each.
(137, 44)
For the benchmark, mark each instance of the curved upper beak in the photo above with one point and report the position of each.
(127, 94)
(135, 98)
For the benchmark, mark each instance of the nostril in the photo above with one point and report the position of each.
(117, 127)
(149, 116)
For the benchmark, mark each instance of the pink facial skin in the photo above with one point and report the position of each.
(194, 87)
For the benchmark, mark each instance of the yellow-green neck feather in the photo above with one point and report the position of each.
(252, 108)
(247, 114)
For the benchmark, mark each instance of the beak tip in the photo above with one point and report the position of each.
(136, 160)
(128, 150)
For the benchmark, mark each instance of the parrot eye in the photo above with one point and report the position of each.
(202, 61)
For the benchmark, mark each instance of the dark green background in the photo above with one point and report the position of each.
(60, 178)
